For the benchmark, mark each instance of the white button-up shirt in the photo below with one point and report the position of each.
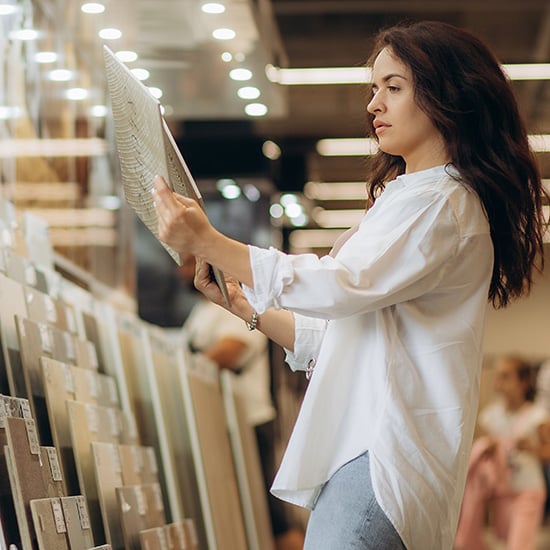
(394, 321)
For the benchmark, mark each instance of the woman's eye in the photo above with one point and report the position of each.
(393, 88)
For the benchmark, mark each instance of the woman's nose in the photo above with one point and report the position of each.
(374, 105)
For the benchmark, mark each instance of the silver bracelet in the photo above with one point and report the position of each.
(253, 322)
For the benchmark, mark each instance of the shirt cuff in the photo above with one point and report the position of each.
(271, 272)
(308, 335)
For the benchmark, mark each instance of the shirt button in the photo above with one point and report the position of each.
(310, 366)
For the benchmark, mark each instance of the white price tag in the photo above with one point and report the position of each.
(83, 512)
(46, 338)
(32, 436)
(93, 421)
(55, 468)
(59, 519)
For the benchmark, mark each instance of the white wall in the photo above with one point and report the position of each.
(524, 326)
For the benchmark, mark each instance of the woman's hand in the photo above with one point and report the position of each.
(182, 223)
(205, 283)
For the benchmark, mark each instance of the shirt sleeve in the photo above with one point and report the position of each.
(399, 252)
(309, 333)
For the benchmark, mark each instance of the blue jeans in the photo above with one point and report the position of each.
(347, 515)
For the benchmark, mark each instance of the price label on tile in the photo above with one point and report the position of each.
(59, 519)
(55, 468)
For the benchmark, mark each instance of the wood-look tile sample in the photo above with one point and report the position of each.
(36, 340)
(89, 423)
(52, 474)
(133, 514)
(176, 536)
(18, 408)
(59, 388)
(154, 538)
(12, 297)
(77, 520)
(217, 461)
(108, 473)
(25, 473)
(248, 467)
(49, 524)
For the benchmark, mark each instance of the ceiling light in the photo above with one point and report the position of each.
(540, 143)
(240, 74)
(248, 92)
(252, 193)
(44, 147)
(313, 238)
(7, 113)
(362, 75)
(126, 56)
(231, 191)
(338, 218)
(110, 34)
(271, 150)
(141, 74)
(155, 92)
(99, 111)
(7, 9)
(328, 75)
(288, 199)
(276, 211)
(256, 109)
(346, 147)
(92, 7)
(213, 7)
(76, 94)
(336, 191)
(45, 57)
(24, 34)
(227, 57)
(60, 75)
(224, 34)
(527, 71)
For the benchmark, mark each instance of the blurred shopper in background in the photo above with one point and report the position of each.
(505, 470)
(389, 325)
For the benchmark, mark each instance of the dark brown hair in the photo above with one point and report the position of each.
(460, 85)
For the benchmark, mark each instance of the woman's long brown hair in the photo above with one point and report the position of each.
(460, 85)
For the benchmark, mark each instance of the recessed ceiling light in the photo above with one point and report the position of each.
(213, 7)
(92, 7)
(24, 34)
(224, 34)
(126, 56)
(227, 57)
(99, 110)
(255, 109)
(155, 92)
(141, 74)
(110, 34)
(7, 9)
(60, 75)
(76, 94)
(248, 92)
(240, 74)
(45, 57)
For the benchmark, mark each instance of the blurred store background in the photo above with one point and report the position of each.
(266, 99)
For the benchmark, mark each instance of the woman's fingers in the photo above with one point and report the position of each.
(182, 224)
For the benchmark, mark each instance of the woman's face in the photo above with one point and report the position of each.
(401, 127)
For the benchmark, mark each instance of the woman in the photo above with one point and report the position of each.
(390, 324)
(505, 467)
